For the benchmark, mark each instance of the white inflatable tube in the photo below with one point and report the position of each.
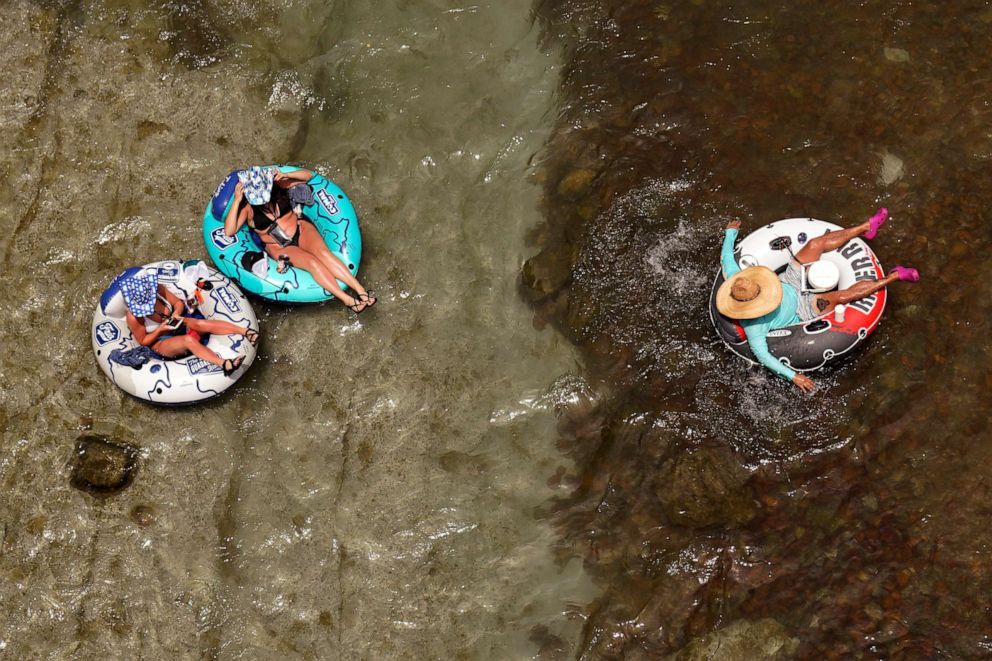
(183, 380)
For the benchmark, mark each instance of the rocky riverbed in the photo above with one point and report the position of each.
(708, 494)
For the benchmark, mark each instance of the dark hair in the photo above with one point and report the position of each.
(279, 196)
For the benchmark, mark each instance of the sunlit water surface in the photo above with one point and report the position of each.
(370, 488)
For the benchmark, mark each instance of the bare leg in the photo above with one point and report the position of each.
(827, 302)
(313, 243)
(829, 241)
(175, 347)
(214, 326)
(304, 260)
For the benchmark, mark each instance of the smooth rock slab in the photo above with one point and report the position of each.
(705, 487)
(103, 467)
(761, 640)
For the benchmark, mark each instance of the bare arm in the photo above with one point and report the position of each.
(290, 179)
(143, 337)
(237, 213)
(178, 304)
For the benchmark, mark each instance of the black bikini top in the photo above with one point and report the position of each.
(262, 221)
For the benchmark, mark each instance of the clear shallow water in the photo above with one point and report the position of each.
(370, 487)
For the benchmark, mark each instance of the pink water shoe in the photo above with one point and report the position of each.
(875, 223)
(906, 274)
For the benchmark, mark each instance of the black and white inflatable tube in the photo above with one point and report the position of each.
(179, 381)
(810, 345)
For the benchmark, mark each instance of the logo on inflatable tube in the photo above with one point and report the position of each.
(168, 271)
(864, 269)
(199, 366)
(221, 240)
(228, 299)
(327, 201)
(107, 332)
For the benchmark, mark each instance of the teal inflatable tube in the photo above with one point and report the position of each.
(331, 213)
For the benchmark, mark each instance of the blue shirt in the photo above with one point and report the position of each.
(785, 314)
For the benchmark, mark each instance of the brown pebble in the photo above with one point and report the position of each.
(36, 525)
(143, 515)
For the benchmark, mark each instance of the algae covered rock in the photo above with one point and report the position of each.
(102, 466)
(576, 182)
(705, 487)
(547, 272)
(761, 640)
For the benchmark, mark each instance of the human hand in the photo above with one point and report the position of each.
(239, 190)
(804, 382)
(734, 225)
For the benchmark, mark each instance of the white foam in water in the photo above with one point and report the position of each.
(674, 260)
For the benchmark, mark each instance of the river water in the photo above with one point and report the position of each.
(534, 446)
(369, 489)
(710, 496)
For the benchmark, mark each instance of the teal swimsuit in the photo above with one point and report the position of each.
(756, 329)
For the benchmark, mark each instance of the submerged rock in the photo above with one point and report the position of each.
(896, 55)
(576, 182)
(547, 272)
(705, 487)
(762, 640)
(891, 170)
(143, 515)
(102, 466)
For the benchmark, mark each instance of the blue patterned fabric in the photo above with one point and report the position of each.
(139, 292)
(258, 183)
(134, 357)
(301, 194)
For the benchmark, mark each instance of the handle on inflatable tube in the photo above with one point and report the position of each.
(280, 289)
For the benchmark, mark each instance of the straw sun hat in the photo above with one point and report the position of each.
(749, 294)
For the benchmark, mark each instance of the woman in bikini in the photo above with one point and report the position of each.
(261, 198)
(172, 334)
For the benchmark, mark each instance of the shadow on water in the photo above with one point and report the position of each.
(708, 494)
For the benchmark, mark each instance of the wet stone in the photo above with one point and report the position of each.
(143, 515)
(575, 182)
(462, 463)
(550, 646)
(763, 640)
(705, 487)
(896, 55)
(547, 272)
(36, 525)
(102, 466)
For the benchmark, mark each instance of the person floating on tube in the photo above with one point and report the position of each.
(263, 197)
(762, 303)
